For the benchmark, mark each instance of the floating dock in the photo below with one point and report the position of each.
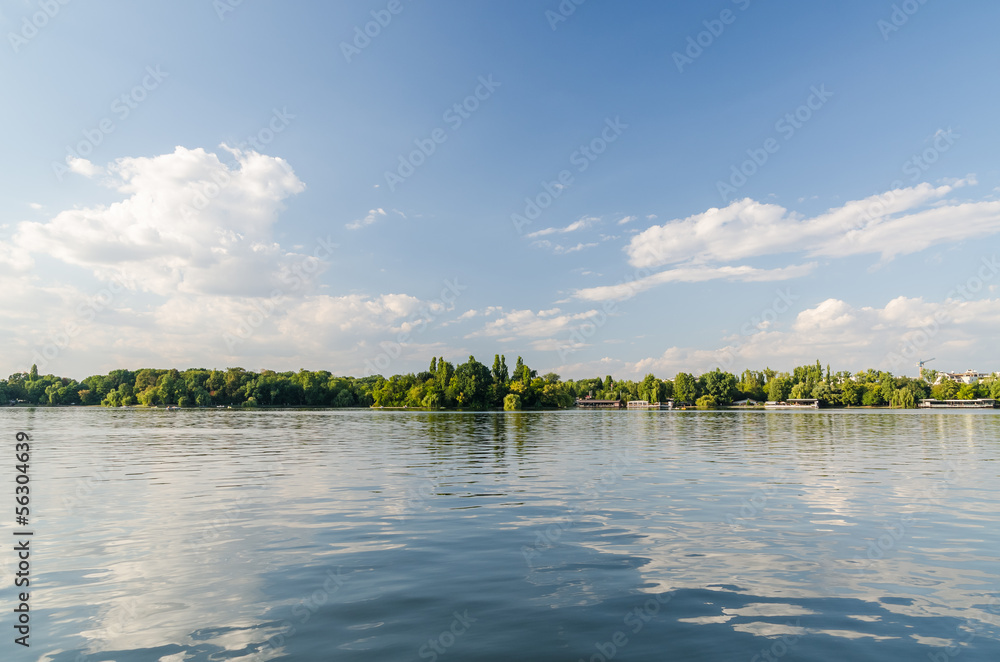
(793, 403)
(978, 403)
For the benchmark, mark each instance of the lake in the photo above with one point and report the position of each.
(195, 535)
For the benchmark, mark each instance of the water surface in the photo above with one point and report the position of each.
(367, 535)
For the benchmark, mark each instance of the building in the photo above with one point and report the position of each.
(968, 377)
(591, 403)
(646, 404)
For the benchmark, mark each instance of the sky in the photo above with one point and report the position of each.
(601, 188)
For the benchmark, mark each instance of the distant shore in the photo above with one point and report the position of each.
(475, 386)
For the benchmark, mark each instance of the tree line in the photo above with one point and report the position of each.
(473, 385)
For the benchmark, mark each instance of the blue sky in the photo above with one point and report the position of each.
(578, 199)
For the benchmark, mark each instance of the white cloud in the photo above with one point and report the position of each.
(627, 219)
(312, 331)
(852, 338)
(559, 249)
(189, 223)
(581, 224)
(563, 250)
(690, 274)
(543, 326)
(13, 259)
(894, 223)
(83, 167)
(373, 215)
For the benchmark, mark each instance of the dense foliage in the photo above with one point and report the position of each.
(472, 385)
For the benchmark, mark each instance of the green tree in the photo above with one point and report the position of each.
(751, 385)
(720, 385)
(825, 394)
(903, 399)
(650, 388)
(706, 402)
(512, 402)
(778, 389)
(851, 393)
(801, 390)
(685, 387)
(498, 379)
(472, 384)
(499, 371)
(966, 392)
(887, 387)
(872, 397)
(946, 390)
(112, 399)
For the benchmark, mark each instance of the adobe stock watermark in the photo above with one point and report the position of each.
(635, 621)
(119, 619)
(787, 126)
(297, 276)
(420, 495)
(587, 329)
(363, 35)
(703, 40)
(782, 303)
(86, 312)
(121, 108)
(221, 179)
(31, 26)
(915, 166)
(755, 505)
(562, 13)
(333, 581)
(781, 646)
(213, 530)
(415, 325)
(895, 531)
(917, 341)
(967, 631)
(454, 117)
(439, 645)
(548, 537)
(279, 121)
(223, 7)
(899, 17)
(581, 158)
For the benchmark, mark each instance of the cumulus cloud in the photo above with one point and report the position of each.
(83, 167)
(189, 223)
(545, 328)
(689, 274)
(373, 215)
(894, 223)
(704, 246)
(890, 338)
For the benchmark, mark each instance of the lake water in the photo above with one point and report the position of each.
(367, 535)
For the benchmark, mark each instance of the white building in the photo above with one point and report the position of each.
(968, 377)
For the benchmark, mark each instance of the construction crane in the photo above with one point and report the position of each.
(920, 364)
